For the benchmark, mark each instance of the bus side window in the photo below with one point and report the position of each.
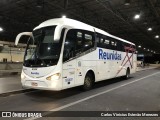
(88, 41)
(119, 46)
(101, 41)
(113, 44)
(79, 42)
(107, 42)
(69, 46)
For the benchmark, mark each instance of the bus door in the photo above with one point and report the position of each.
(69, 61)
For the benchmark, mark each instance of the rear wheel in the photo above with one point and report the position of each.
(127, 73)
(88, 82)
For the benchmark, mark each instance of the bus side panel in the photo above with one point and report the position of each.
(68, 74)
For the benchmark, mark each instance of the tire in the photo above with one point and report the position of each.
(88, 82)
(127, 73)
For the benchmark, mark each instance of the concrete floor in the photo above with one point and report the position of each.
(139, 93)
(10, 83)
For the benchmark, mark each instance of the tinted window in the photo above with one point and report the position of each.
(103, 41)
(69, 46)
(77, 41)
(113, 44)
(119, 46)
(88, 41)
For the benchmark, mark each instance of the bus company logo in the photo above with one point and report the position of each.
(109, 56)
(34, 73)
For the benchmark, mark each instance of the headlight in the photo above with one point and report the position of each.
(22, 76)
(54, 77)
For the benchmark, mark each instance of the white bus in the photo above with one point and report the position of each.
(63, 53)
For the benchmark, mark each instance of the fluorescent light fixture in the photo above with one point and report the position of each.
(139, 46)
(148, 50)
(127, 2)
(39, 3)
(63, 16)
(157, 36)
(144, 48)
(149, 29)
(49, 48)
(1, 29)
(137, 16)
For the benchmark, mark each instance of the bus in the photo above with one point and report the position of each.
(62, 53)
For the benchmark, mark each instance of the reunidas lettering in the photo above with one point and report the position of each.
(109, 56)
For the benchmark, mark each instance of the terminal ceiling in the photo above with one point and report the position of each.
(113, 16)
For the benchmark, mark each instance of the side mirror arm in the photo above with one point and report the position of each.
(20, 35)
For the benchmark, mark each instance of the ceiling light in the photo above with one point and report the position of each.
(1, 29)
(144, 48)
(63, 16)
(149, 29)
(139, 46)
(39, 3)
(148, 50)
(127, 2)
(49, 48)
(137, 16)
(157, 36)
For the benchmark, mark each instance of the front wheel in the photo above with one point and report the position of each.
(88, 82)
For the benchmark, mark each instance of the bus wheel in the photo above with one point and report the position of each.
(88, 82)
(127, 73)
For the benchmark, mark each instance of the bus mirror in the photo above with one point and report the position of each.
(20, 35)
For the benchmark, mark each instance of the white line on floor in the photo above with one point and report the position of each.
(95, 95)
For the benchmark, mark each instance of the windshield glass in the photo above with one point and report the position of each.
(42, 50)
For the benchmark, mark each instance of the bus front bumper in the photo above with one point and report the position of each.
(41, 85)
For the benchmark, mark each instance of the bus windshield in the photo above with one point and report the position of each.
(42, 50)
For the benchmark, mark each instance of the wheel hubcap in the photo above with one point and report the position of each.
(87, 82)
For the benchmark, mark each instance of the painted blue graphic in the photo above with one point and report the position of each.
(34, 73)
(108, 55)
(68, 79)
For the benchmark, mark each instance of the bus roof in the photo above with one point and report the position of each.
(70, 23)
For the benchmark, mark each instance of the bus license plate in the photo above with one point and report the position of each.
(34, 84)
